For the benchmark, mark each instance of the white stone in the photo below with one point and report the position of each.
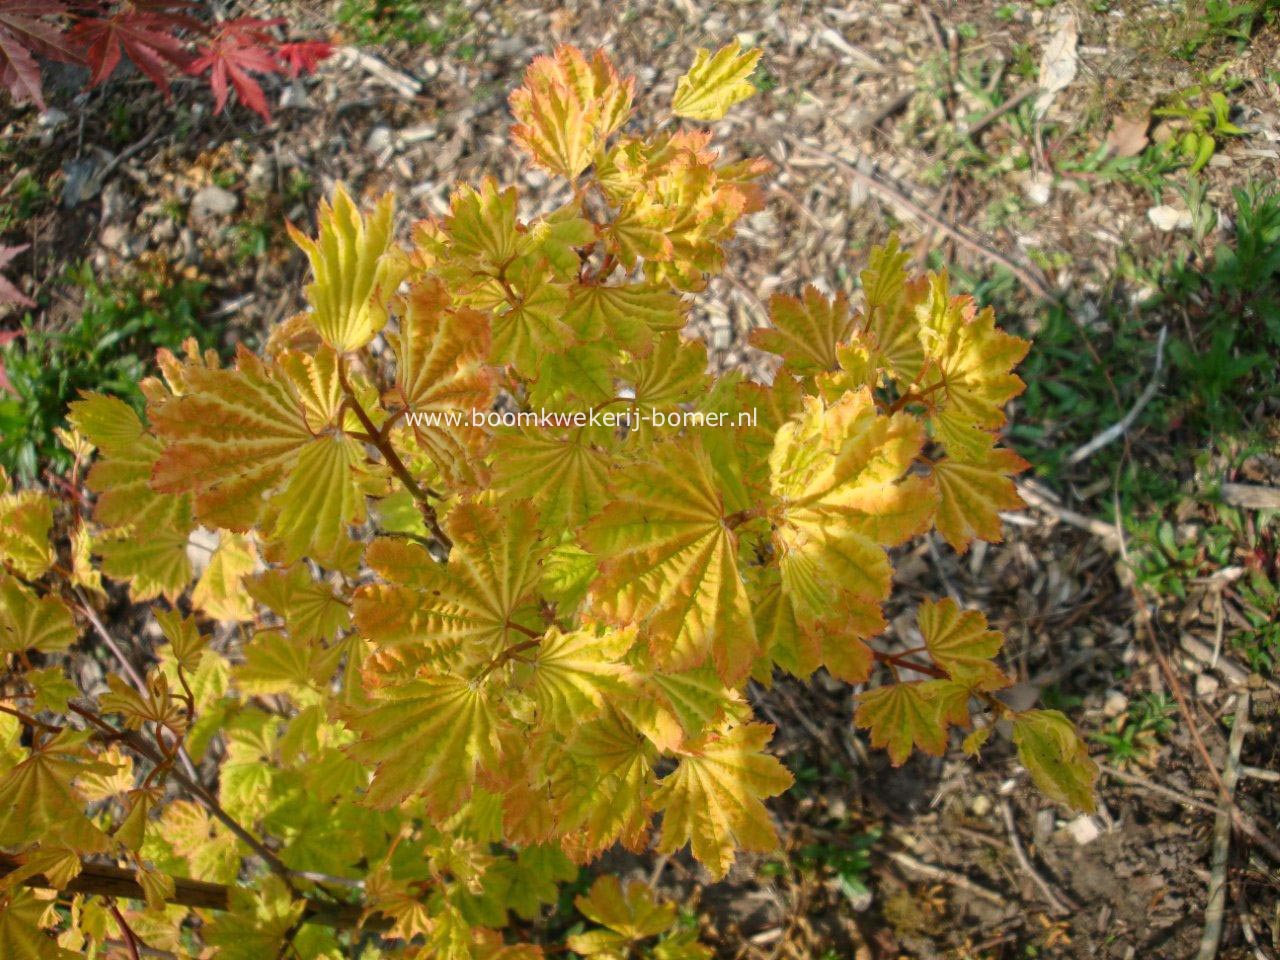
(1206, 686)
(1084, 829)
(213, 201)
(1115, 704)
(1167, 218)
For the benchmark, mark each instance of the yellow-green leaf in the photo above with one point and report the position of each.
(669, 564)
(900, 716)
(972, 492)
(1056, 758)
(25, 521)
(28, 622)
(356, 268)
(713, 797)
(960, 643)
(715, 83)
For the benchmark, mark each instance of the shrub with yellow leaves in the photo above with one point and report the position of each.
(483, 560)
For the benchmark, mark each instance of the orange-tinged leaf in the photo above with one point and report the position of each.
(441, 373)
(670, 564)
(1056, 758)
(960, 643)
(972, 360)
(230, 438)
(356, 268)
(715, 83)
(567, 107)
(713, 797)
(900, 716)
(26, 518)
(971, 494)
(121, 477)
(29, 622)
(427, 737)
(806, 332)
(468, 609)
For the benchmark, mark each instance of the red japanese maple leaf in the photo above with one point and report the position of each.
(29, 28)
(146, 32)
(237, 49)
(303, 56)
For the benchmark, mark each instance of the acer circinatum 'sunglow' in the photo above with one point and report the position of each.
(433, 662)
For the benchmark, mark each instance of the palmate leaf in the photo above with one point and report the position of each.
(155, 565)
(29, 28)
(715, 83)
(21, 936)
(806, 331)
(972, 490)
(901, 716)
(28, 622)
(629, 914)
(121, 476)
(236, 50)
(440, 370)
(26, 517)
(971, 360)
(960, 643)
(248, 443)
(889, 318)
(146, 37)
(839, 473)
(356, 268)
(566, 470)
(535, 323)
(219, 593)
(669, 564)
(37, 799)
(629, 315)
(566, 108)
(573, 673)
(469, 609)
(310, 608)
(712, 799)
(427, 737)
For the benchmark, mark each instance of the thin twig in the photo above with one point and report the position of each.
(1059, 903)
(887, 191)
(1216, 907)
(197, 789)
(1099, 528)
(1011, 104)
(958, 880)
(109, 881)
(130, 671)
(1118, 429)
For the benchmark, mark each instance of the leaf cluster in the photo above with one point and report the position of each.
(494, 557)
(161, 38)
